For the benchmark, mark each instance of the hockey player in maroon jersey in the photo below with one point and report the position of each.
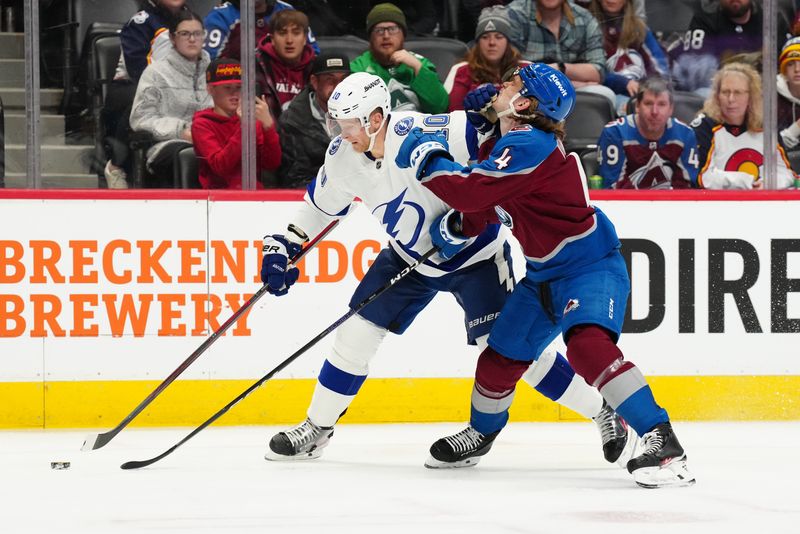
(576, 283)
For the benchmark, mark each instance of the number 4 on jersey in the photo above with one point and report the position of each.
(504, 159)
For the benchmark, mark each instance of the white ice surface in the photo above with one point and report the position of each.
(539, 478)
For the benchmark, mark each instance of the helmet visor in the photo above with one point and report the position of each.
(345, 127)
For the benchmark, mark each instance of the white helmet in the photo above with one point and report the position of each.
(357, 96)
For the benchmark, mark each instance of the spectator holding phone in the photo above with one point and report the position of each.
(217, 131)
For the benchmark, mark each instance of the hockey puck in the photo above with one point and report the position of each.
(59, 465)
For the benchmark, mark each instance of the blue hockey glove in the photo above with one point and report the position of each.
(419, 148)
(274, 265)
(446, 234)
(476, 104)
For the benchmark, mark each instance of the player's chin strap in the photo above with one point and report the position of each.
(374, 136)
(510, 111)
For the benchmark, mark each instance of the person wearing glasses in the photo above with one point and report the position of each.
(144, 39)
(412, 79)
(729, 133)
(170, 92)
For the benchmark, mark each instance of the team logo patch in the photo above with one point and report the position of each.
(335, 144)
(522, 128)
(504, 217)
(573, 304)
(403, 126)
(140, 17)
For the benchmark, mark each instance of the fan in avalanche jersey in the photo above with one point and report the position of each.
(648, 149)
(360, 163)
(576, 284)
(729, 133)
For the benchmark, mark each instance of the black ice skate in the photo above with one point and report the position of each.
(619, 440)
(662, 462)
(303, 442)
(463, 449)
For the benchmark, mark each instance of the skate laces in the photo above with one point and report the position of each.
(610, 427)
(303, 434)
(653, 442)
(466, 440)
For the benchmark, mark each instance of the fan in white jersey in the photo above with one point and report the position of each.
(360, 163)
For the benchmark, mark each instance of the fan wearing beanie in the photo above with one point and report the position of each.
(411, 79)
(488, 60)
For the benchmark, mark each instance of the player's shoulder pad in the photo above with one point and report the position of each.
(140, 17)
(402, 122)
(525, 139)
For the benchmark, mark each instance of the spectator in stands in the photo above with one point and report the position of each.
(283, 64)
(648, 149)
(789, 96)
(420, 15)
(733, 28)
(217, 131)
(170, 91)
(565, 36)
(144, 39)
(412, 79)
(729, 133)
(632, 51)
(304, 131)
(223, 26)
(490, 57)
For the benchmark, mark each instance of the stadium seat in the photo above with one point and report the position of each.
(88, 12)
(444, 53)
(103, 65)
(349, 45)
(668, 18)
(589, 161)
(202, 7)
(186, 169)
(2, 145)
(584, 125)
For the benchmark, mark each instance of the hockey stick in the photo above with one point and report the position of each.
(95, 441)
(136, 464)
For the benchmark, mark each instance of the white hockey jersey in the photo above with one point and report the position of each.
(393, 195)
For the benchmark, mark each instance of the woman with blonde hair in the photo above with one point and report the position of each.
(632, 51)
(729, 133)
(487, 61)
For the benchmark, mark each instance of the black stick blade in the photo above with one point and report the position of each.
(137, 464)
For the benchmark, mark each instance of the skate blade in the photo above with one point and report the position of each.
(273, 456)
(629, 452)
(674, 474)
(433, 463)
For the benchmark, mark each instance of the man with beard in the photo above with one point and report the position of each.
(733, 28)
(411, 79)
(223, 23)
(789, 98)
(648, 149)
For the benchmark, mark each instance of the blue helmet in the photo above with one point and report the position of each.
(550, 87)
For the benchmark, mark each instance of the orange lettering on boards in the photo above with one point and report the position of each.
(359, 265)
(203, 315)
(169, 314)
(42, 262)
(127, 312)
(241, 328)
(11, 261)
(189, 260)
(49, 316)
(324, 250)
(80, 314)
(108, 262)
(150, 262)
(80, 261)
(12, 315)
(223, 257)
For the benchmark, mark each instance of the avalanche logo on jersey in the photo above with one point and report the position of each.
(504, 217)
(413, 219)
(403, 126)
(572, 304)
(335, 144)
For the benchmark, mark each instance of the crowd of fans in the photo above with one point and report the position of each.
(179, 81)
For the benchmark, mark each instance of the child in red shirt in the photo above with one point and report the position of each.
(217, 131)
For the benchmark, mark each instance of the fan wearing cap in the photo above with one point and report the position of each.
(490, 57)
(302, 126)
(217, 131)
(412, 79)
(789, 94)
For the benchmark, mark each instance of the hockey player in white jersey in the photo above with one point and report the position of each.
(360, 163)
